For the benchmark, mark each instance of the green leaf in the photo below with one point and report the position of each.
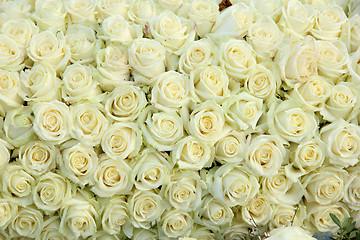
(335, 220)
(352, 235)
(349, 228)
(347, 222)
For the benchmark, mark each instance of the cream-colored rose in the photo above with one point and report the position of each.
(342, 141)
(28, 222)
(237, 57)
(125, 103)
(209, 83)
(52, 121)
(324, 186)
(51, 48)
(291, 122)
(173, 32)
(18, 126)
(260, 208)
(8, 211)
(243, 111)
(190, 153)
(170, 91)
(51, 192)
(298, 62)
(265, 154)
(118, 30)
(329, 22)
(293, 232)
(202, 233)
(121, 140)
(285, 215)
(281, 189)
(89, 123)
(40, 84)
(5, 148)
(170, 4)
(20, 30)
(354, 37)
(51, 229)
(11, 56)
(200, 53)
(145, 234)
(49, 14)
(141, 10)
(78, 216)
(81, 40)
(160, 129)
(115, 215)
(17, 184)
(176, 223)
(312, 94)
(146, 208)
(270, 8)
(232, 185)
(111, 176)
(81, 11)
(108, 8)
(151, 170)
(231, 148)
(265, 37)
(78, 163)
(79, 84)
(16, 9)
(354, 67)
(318, 216)
(352, 189)
(9, 91)
(204, 13)
(342, 102)
(263, 80)
(147, 58)
(38, 157)
(238, 230)
(113, 67)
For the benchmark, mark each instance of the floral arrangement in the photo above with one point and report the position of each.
(179, 119)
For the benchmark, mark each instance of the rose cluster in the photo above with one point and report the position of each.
(171, 119)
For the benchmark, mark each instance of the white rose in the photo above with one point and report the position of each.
(7, 212)
(82, 41)
(5, 148)
(285, 215)
(176, 223)
(50, 192)
(231, 148)
(115, 215)
(260, 209)
(121, 140)
(352, 186)
(204, 13)
(354, 37)
(170, 4)
(265, 37)
(78, 216)
(342, 102)
(51, 229)
(147, 58)
(20, 30)
(9, 91)
(125, 103)
(16, 9)
(51, 48)
(342, 141)
(265, 154)
(146, 208)
(312, 94)
(38, 157)
(117, 29)
(109, 8)
(329, 22)
(202, 232)
(232, 185)
(28, 222)
(113, 67)
(281, 189)
(354, 66)
(170, 91)
(141, 10)
(145, 234)
(172, 32)
(263, 81)
(111, 177)
(270, 8)
(151, 170)
(293, 232)
(49, 14)
(79, 84)
(209, 83)
(52, 121)
(237, 57)
(190, 153)
(238, 230)
(199, 53)
(40, 84)
(324, 186)
(291, 122)
(243, 111)
(81, 11)
(17, 184)
(184, 190)
(11, 56)
(89, 123)
(78, 163)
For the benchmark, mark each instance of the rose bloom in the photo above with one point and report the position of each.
(9, 91)
(115, 215)
(204, 13)
(11, 56)
(108, 8)
(51, 229)
(141, 10)
(293, 232)
(231, 148)
(117, 29)
(5, 148)
(28, 222)
(7, 212)
(49, 14)
(20, 30)
(260, 208)
(176, 223)
(81, 11)
(352, 187)
(283, 216)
